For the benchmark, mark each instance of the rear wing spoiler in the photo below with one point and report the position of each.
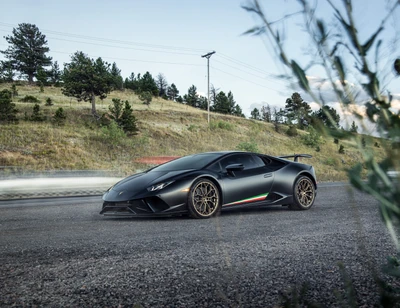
(296, 156)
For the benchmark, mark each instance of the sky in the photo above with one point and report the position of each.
(169, 37)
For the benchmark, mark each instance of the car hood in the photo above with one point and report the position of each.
(140, 181)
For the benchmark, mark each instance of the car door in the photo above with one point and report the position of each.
(251, 184)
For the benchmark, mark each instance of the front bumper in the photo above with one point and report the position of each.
(152, 206)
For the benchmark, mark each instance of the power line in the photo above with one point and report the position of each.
(93, 38)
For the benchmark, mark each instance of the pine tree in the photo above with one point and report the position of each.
(147, 84)
(85, 78)
(297, 110)
(255, 114)
(42, 76)
(353, 128)
(55, 74)
(8, 111)
(172, 92)
(266, 113)
(6, 71)
(191, 97)
(221, 104)
(128, 120)
(27, 50)
(59, 117)
(118, 82)
(37, 115)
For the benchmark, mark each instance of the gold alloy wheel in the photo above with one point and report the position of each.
(205, 198)
(305, 192)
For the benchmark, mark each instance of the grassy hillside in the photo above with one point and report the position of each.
(166, 128)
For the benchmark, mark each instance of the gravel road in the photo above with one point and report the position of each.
(62, 253)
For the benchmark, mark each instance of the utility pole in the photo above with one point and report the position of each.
(208, 56)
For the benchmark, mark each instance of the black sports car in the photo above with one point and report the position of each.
(201, 184)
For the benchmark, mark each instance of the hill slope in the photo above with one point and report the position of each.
(165, 128)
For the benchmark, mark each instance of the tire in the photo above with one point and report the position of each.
(204, 199)
(303, 194)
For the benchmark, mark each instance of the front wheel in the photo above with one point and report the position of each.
(204, 199)
(303, 194)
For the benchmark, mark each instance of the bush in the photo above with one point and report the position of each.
(112, 133)
(221, 125)
(247, 146)
(8, 111)
(146, 97)
(377, 145)
(292, 131)
(29, 99)
(312, 139)
(37, 115)
(59, 117)
(341, 149)
(49, 102)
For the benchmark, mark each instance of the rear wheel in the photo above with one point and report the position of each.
(303, 194)
(204, 199)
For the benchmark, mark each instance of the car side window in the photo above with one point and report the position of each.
(215, 167)
(249, 161)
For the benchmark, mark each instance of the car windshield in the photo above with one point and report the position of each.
(196, 161)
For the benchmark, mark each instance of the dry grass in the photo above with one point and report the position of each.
(166, 128)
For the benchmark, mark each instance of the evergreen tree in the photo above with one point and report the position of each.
(221, 104)
(85, 78)
(6, 71)
(37, 115)
(297, 110)
(172, 92)
(42, 76)
(59, 117)
(132, 82)
(118, 82)
(191, 97)
(55, 74)
(27, 50)
(353, 128)
(8, 111)
(162, 85)
(327, 116)
(255, 114)
(122, 114)
(202, 103)
(128, 120)
(231, 103)
(179, 99)
(238, 111)
(147, 84)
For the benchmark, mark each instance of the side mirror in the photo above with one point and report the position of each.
(234, 167)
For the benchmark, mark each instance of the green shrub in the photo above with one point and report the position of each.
(59, 117)
(29, 99)
(341, 149)
(192, 128)
(292, 131)
(247, 146)
(112, 133)
(221, 125)
(37, 115)
(49, 102)
(312, 139)
(14, 90)
(377, 145)
(8, 111)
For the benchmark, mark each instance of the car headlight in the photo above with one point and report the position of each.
(159, 186)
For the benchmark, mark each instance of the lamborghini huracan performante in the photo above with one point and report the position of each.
(200, 185)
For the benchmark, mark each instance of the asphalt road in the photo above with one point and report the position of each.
(61, 252)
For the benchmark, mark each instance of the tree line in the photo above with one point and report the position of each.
(87, 79)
